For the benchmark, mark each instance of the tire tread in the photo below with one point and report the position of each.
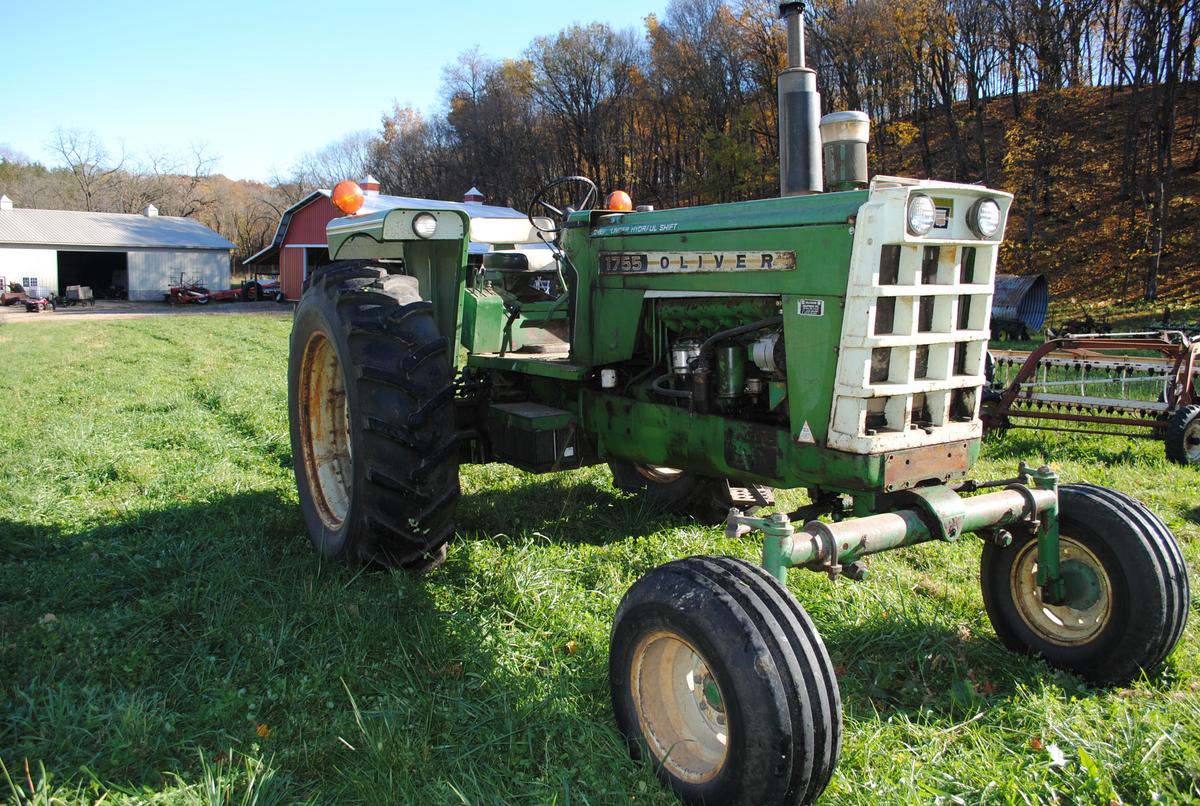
(1150, 561)
(404, 511)
(801, 740)
(1176, 430)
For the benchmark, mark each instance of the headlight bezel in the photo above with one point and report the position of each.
(910, 209)
(974, 220)
(417, 225)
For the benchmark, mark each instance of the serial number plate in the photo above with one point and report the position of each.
(675, 262)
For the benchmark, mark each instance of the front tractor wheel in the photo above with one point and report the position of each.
(720, 679)
(370, 400)
(680, 492)
(1126, 589)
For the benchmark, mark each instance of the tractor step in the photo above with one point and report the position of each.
(753, 495)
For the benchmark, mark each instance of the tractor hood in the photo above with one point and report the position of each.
(387, 218)
(792, 211)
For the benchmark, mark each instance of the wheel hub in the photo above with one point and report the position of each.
(1083, 589)
(1087, 605)
(707, 696)
(679, 706)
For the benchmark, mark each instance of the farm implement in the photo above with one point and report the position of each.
(830, 341)
(80, 295)
(11, 293)
(259, 288)
(187, 293)
(1134, 384)
(193, 293)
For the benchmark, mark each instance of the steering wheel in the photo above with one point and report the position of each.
(541, 202)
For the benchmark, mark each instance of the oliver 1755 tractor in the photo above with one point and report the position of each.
(832, 341)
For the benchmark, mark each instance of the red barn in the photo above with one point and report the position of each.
(299, 245)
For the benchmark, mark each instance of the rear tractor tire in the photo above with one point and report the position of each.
(1127, 589)
(1183, 436)
(719, 679)
(681, 492)
(370, 400)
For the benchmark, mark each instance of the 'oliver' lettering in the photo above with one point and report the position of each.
(767, 260)
(741, 262)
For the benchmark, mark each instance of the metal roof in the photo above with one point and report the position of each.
(271, 252)
(73, 228)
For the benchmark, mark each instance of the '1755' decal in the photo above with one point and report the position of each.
(672, 262)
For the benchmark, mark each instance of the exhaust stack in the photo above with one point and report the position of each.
(799, 113)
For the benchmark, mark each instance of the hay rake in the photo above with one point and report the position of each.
(1132, 384)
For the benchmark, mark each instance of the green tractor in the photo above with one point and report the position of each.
(832, 341)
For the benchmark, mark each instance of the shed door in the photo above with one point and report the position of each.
(107, 273)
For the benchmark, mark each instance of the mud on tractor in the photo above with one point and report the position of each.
(831, 341)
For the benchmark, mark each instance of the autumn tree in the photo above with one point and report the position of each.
(87, 160)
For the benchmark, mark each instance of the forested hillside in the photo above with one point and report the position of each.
(1078, 218)
(1086, 110)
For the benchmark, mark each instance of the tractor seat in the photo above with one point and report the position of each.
(516, 261)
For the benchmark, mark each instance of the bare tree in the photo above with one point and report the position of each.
(349, 157)
(87, 159)
(582, 81)
(11, 155)
(409, 154)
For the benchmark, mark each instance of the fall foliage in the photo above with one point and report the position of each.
(1086, 110)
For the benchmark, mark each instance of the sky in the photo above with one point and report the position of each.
(256, 84)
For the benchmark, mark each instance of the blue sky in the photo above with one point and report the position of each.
(258, 84)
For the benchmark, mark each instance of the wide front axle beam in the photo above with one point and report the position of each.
(835, 548)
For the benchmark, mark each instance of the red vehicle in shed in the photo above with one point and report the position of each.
(36, 302)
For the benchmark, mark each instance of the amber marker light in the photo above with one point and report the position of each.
(347, 196)
(618, 200)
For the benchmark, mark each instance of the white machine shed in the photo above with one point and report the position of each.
(117, 254)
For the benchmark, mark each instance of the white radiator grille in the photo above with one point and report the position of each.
(915, 329)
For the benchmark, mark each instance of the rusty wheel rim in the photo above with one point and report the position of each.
(325, 431)
(680, 707)
(659, 474)
(1089, 594)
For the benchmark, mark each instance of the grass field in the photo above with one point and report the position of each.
(167, 636)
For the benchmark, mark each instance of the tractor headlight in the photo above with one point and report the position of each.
(984, 218)
(424, 225)
(921, 214)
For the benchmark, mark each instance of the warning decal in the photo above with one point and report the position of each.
(806, 435)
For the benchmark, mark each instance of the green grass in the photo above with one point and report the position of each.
(167, 636)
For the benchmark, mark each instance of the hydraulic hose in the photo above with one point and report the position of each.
(711, 341)
(657, 386)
